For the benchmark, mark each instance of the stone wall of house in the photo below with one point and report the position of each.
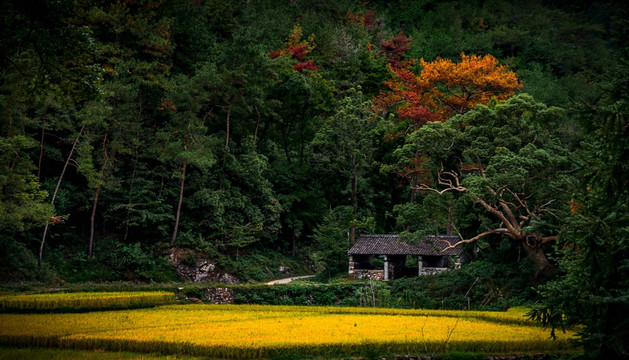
(433, 270)
(377, 275)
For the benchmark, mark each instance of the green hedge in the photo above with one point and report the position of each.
(342, 294)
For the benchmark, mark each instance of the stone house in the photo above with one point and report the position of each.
(385, 257)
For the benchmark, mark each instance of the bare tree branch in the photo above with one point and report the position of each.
(514, 231)
(501, 231)
(452, 184)
(423, 187)
(505, 207)
(522, 203)
(548, 239)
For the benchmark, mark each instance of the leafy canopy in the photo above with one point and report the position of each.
(444, 88)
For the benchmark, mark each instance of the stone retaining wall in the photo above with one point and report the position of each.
(221, 295)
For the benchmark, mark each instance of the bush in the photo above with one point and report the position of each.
(262, 265)
(297, 294)
(488, 286)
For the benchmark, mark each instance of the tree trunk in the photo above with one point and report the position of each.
(96, 195)
(229, 110)
(285, 134)
(54, 195)
(354, 187)
(183, 180)
(293, 243)
(41, 143)
(92, 217)
(255, 134)
(536, 254)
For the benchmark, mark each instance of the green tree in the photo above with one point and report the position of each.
(134, 50)
(593, 289)
(505, 159)
(331, 239)
(22, 202)
(189, 102)
(343, 146)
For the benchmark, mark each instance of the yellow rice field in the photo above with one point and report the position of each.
(250, 331)
(84, 301)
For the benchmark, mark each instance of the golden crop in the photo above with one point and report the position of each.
(84, 300)
(249, 331)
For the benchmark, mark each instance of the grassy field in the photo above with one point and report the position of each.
(250, 331)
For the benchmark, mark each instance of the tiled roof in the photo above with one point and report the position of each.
(390, 245)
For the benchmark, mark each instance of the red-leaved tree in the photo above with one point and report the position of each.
(297, 49)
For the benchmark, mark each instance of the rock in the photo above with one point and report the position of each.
(311, 265)
(228, 279)
(194, 300)
(193, 267)
(284, 270)
(204, 271)
(206, 267)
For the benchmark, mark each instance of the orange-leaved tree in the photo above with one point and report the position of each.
(444, 88)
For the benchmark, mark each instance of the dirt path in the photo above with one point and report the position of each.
(287, 280)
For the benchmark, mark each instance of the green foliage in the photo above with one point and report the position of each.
(297, 294)
(261, 264)
(332, 240)
(487, 285)
(593, 289)
(22, 202)
(186, 122)
(565, 38)
(504, 158)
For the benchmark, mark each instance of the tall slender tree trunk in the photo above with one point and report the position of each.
(182, 183)
(41, 143)
(293, 242)
(178, 214)
(54, 195)
(135, 166)
(96, 195)
(354, 186)
(229, 110)
(255, 133)
(285, 134)
(302, 146)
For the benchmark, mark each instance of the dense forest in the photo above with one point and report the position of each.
(259, 133)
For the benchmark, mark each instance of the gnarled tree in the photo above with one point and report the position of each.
(505, 159)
